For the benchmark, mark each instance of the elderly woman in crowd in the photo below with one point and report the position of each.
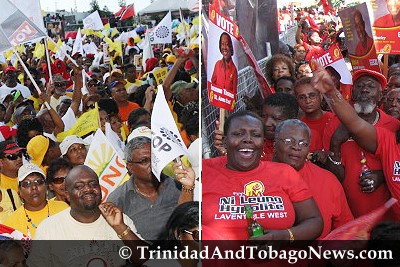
(292, 145)
(272, 189)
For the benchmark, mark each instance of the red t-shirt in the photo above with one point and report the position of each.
(271, 188)
(313, 51)
(225, 75)
(268, 151)
(317, 127)
(329, 196)
(361, 50)
(385, 21)
(388, 151)
(124, 111)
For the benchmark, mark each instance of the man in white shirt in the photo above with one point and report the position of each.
(89, 220)
(12, 84)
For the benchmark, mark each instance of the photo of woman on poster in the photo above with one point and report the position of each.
(225, 73)
(365, 41)
(391, 19)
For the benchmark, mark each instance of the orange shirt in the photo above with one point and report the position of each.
(124, 111)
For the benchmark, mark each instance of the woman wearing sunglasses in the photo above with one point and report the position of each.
(32, 190)
(56, 173)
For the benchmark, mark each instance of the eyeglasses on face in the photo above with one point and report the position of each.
(57, 180)
(92, 106)
(292, 142)
(13, 156)
(144, 161)
(28, 184)
(195, 234)
(311, 96)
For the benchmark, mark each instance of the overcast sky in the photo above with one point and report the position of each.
(83, 5)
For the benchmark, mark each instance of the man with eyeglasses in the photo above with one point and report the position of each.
(57, 90)
(310, 101)
(292, 145)
(369, 191)
(146, 200)
(10, 161)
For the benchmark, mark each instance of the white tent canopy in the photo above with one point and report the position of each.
(163, 6)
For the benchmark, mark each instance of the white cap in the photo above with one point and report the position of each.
(69, 141)
(27, 169)
(140, 131)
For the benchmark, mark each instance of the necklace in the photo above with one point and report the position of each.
(30, 220)
(140, 192)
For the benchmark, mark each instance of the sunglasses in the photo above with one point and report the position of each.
(195, 234)
(13, 156)
(27, 184)
(57, 180)
(92, 106)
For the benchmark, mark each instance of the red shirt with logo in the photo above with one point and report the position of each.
(388, 151)
(270, 189)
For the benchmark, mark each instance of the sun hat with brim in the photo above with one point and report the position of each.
(178, 86)
(69, 141)
(9, 147)
(27, 169)
(58, 78)
(37, 148)
(140, 131)
(365, 72)
(18, 112)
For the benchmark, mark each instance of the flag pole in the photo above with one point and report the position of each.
(48, 61)
(67, 55)
(27, 72)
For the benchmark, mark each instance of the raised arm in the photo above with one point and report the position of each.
(169, 78)
(363, 132)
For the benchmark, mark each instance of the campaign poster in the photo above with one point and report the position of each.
(222, 72)
(385, 15)
(359, 37)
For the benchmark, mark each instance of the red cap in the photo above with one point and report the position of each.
(377, 75)
(10, 69)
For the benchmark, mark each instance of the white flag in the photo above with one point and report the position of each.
(147, 51)
(32, 10)
(162, 33)
(78, 47)
(106, 162)
(16, 28)
(166, 144)
(90, 48)
(114, 139)
(93, 21)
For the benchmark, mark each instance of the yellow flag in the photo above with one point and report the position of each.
(39, 50)
(8, 54)
(86, 123)
(98, 34)
(20, 48)
(114, 32)
(106, 27)
(52, 46)
(117, 46)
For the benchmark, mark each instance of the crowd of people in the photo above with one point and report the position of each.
(47, 193)
(343, 150)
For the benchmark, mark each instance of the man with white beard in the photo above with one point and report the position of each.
(368, 191)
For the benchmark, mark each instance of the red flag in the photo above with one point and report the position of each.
(128, 13)
(359, 228)
(120, 11)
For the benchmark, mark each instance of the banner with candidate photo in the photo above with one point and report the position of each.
(385, 15)
(222, 72)
(359, 37)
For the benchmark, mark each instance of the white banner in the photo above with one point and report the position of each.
(147, 51)
(78, 47)
(166, 143)
(93, 21)
(32, 10)
(162, 33)
(106, 162)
